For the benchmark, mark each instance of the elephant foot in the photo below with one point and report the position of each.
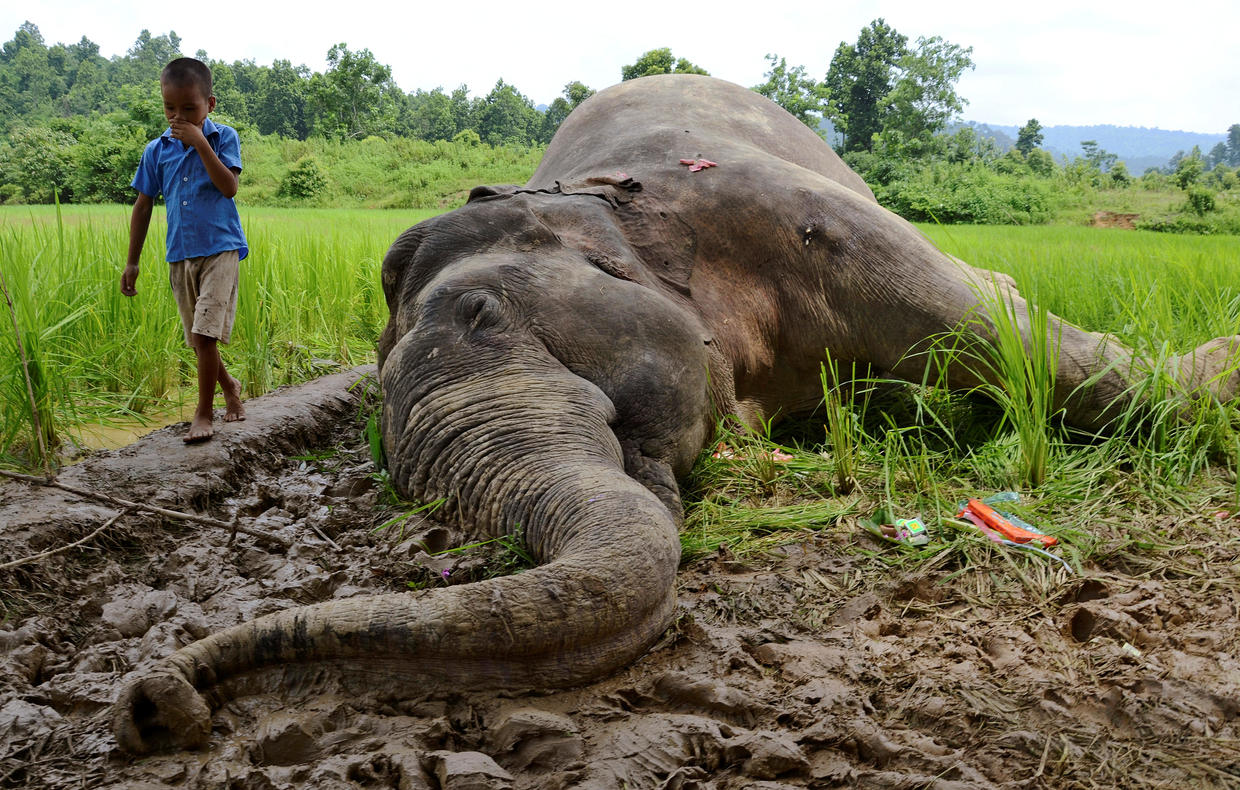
(161, 711)
(1213, 368)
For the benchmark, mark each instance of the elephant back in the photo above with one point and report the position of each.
(652, 121)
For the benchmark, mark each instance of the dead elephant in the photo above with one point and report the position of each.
(556, 357)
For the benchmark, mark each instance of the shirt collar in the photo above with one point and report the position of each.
(208, 128)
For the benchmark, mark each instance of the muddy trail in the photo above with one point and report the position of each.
(817, 665)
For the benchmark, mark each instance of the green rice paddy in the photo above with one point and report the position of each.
(309, 297)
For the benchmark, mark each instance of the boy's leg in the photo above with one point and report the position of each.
(206, 291)
(234, 409)
(202, 426)
(211, 371)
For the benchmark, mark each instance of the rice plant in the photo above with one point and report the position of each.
(1018, 367)
(844, 409)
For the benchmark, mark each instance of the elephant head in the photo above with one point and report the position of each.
(539, 387)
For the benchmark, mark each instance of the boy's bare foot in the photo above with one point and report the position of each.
(200, 430)
(234, 410)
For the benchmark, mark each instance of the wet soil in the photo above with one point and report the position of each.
(818, 665)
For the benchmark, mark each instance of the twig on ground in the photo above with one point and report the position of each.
(323, 535)
(58, 549)
(174, 514)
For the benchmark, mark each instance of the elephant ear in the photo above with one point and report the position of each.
(493, 190)
(397, 285)
(664, 242)
(661, 239)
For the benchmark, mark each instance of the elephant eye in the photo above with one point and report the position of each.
(479, 309)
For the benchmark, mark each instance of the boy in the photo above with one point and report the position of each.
(195, 164)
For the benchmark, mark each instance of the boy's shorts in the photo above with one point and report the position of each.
(206, 292)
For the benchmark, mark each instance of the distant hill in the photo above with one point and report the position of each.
(1138, 147)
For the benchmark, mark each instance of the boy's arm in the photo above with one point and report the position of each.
(139, 223)
(225, 180)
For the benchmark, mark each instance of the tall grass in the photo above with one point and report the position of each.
(309, 299)
(1162, 295)
(844, 414)
(1145, 288)
(1018, 370)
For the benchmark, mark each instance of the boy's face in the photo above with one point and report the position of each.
(186, 103)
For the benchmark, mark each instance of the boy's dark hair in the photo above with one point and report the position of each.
(188, 71)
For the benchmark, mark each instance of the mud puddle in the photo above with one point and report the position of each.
(815, 666)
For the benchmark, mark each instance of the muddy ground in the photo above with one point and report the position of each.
(819, 665)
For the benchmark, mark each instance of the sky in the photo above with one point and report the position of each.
(1064, 62)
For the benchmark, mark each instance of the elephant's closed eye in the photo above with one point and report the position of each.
(479, 309)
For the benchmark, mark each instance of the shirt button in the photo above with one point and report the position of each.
(185, 179)
(184, 202)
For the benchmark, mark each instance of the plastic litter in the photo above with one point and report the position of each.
(1006, 528)
(698, 164)
(975, 510)
(912, 531)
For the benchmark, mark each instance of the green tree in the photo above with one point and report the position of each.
(280, 107)
(1217, 156)
(1041, 162)
(232, 103)
(966, 145)
(355, 97)
(923, 98)
(27, 35)
(1119, 174)
(506, 117)
(90, 87)
(659, 61)
(1029, 137)
(791, 89)
(556, 112)
(303, 181)
(28, 82)
(428, 116)
(574, 94)
(464, 109)
(36, 162)
(1188, 169)
(859, 78)
(147, 58)
(105, 158)
(1233, 145)
(1098, 157)
(1200, 201)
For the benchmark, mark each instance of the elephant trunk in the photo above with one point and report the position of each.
(530, 448)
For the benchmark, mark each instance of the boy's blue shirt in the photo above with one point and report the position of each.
(201, 221)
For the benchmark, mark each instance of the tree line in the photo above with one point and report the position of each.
(58, 97)
(75, 122)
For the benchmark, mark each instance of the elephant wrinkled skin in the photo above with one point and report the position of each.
(557, 355)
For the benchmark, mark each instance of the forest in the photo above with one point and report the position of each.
(74, 124)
